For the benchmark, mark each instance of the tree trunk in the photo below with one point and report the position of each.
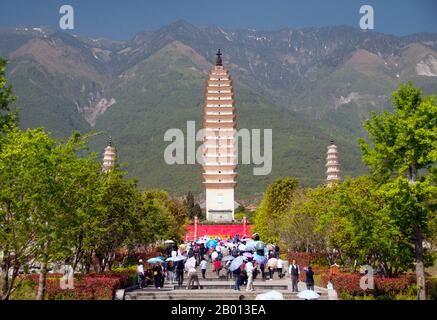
(420, 267)
(4, 279)
(412, 173)
(43, 276)
(4, 284)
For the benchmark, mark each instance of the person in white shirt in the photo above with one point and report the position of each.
(203, 266)
(140, 274)
(280, 266)
(192, 277)
(293, 270)
(249, 271)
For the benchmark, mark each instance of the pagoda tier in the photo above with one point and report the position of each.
(332, 164)
(219, 152)
(109, 157)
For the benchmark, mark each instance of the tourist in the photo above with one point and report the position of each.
(293, 270)
(180, 272)
(235, 252)
(170, 272)
(271, 272)
(203, 266)
(217, 266)
(158, 274)
(276, 251)
(192, 277)
(140, 275)
(249, 270)
(237, 273)
(309, 278)
(255, 269)
(262, 267)
(280, 266)
(228, 271)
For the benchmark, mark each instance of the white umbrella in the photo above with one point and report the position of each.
(242, 247)
(168, 242)
(179, 258)
(228, 258)
(250, 245)
(271, 295)
(236, 263)
(308, 295)
(214, 255)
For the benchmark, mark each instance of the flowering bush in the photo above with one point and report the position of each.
(348, 284)
(86, 287)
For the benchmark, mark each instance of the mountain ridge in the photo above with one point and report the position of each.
(309, 85)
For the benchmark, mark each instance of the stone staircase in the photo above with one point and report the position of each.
(215, 288)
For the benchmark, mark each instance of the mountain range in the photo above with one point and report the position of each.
(309, 85)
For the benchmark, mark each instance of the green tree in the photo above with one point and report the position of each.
(405, 144)
(119, 217)
(276, 202)
(169, 220)
(189, 202)
(7, 117)
(299, 225)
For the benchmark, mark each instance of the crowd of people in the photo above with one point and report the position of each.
(243, 260)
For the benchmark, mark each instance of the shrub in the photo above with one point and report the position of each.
(87, 287)
(348, 284)
(431, 285)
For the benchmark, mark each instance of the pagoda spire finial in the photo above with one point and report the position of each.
(110, 141)
(218, 61)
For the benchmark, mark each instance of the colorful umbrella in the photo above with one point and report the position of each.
(211, 243)
(228, 258)
(248, 255)
(260, 259)
(259, 245)
(236, 263)
(154, 260)
(250, 245)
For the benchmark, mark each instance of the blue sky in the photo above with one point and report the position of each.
(123, 19)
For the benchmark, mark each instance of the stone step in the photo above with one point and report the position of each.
(231, 286)
(201, 295)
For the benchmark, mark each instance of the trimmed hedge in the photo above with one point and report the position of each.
(86, 287)
(347, 284)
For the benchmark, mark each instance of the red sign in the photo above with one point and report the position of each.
(218, 230)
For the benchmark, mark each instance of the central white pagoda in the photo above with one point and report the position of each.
(219, 154)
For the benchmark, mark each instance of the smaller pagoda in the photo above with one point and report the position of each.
(332, 164)
(109, 157)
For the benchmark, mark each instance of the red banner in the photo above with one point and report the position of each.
(218, 230)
